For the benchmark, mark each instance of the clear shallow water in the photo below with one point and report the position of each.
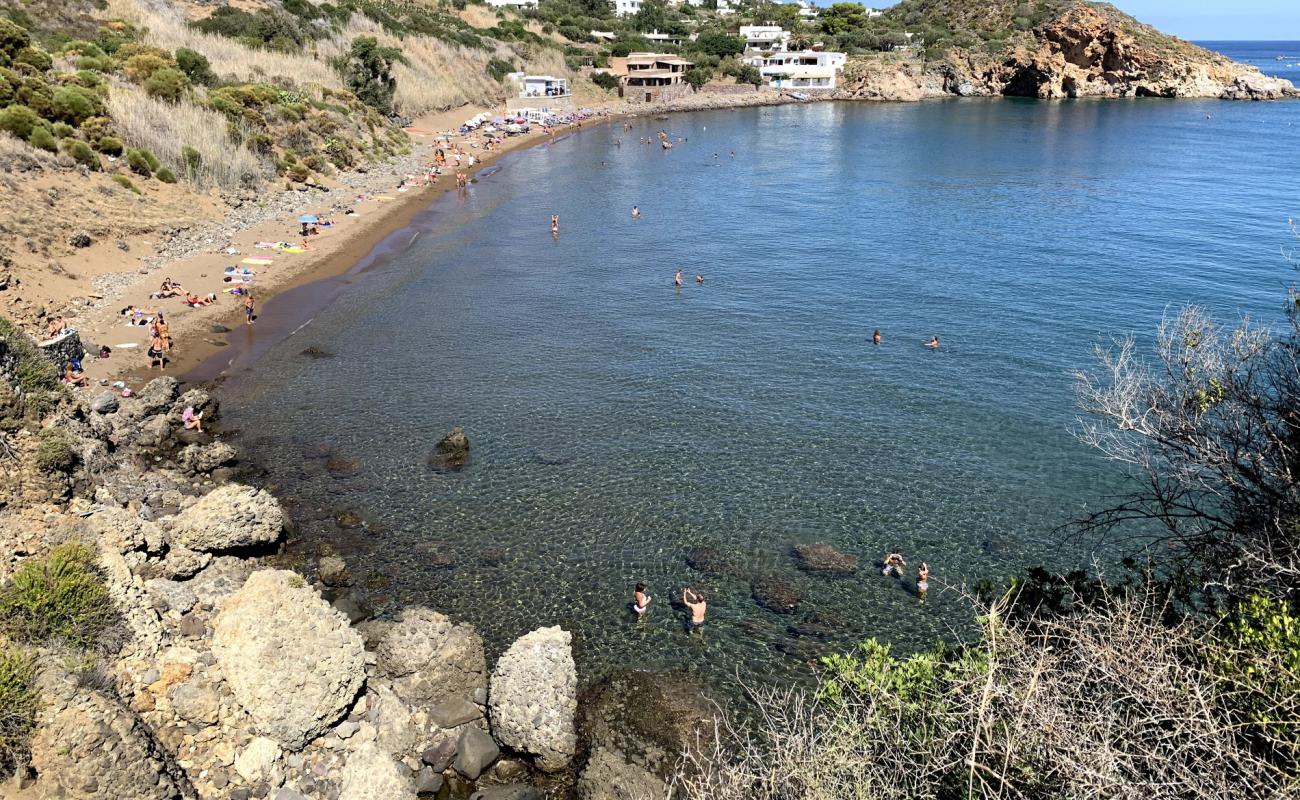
(617, 422)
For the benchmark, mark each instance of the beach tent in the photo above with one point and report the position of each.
(308, 219)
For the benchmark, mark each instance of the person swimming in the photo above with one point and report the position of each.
(894, 564)
(555, 223)
(875, 337)
(933, 344)
(677, 279)
(699, 279)
(640, 601)
(636, 213)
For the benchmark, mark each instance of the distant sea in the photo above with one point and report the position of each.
(1278, 59)
(618, 423)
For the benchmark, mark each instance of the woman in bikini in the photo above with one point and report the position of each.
(640, 601)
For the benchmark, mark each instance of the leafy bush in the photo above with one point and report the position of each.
(81, 153)
(367, 71)
(20, 701)
(748, 73)
(140, 66)
(272, 28)
(96, 128)
(18, 120)
(38, 60)
(499, 69)
(35, 374)
(73, 104)
(141, 161)
(60, 597)
(166, 175)
(109, 146)
(1262, 659)
(54, 453)
(167, 84)
(126, 183)
(191, 160)
(62, 130)
(79, 47)
(196, 66)
(605, 80)
(42, 138)
(37, 95)
(12, 40)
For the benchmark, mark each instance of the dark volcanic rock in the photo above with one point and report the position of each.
(774, 594)
(316, 352)
(825, 560)
(452, 452)
(339, 467)
(714, 561)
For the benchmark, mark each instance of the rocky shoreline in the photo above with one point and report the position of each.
(227, 677)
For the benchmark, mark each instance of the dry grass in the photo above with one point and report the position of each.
(165, 128)
(1105, 704)
(18, 156)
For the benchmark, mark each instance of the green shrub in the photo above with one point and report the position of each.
(20, 701)
(167, 84)
(195, 66)
(38, 60)
(82, 48)
(88, 79)
(191, 160)
(12, 40)
(605, 80)
(109, 146)
(96, 128)
(141, 65)
(125, 183)
(141, 162)
(367, 71)
(499, 69)
(18, 120)
(1261, 658)
(54, 453)
(100, 64)
(37, 95)
(62, 130)
(165, 175)
(34, 373)
(42, 138)
(81, 153)
(60, 597)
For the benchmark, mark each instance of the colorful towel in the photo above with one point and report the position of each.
(259, 261)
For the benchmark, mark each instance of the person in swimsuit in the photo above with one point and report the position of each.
(640, 601)
(922, 580)
(894, 564)
(73, 376)
(933, 344)
(636, 213)
(699, 279)
(160, 328)
(555, 224)
(677, 279)
(694, 602)
(875, 337)
(248, 307)
(156, 355)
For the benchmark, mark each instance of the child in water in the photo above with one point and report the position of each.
(640, 601)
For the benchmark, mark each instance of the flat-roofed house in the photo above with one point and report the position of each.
(764, 38)
(647, 77)
(802, 70)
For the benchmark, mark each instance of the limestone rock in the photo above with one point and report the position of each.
(203, 458)
(430, 659)
(255, 762)
(291, 660)
(170, 595)
(230, 516)
(104, 403)
(776, 594)
(452, 451)
(202, 403)
(88, 747)
(533, 696)
(372, 774)
(196, 701)
(157, 396)
(334, 572)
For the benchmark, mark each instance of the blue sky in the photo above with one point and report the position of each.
(1219, 19)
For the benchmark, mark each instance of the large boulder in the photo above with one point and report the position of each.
(824, 559)
(87, 746)
(429, 659)
(292, 661)
(203, 458)
(157, 396)
(534, 696)
(452, 451)
(633, 728)
(229, 517)
(372, 774)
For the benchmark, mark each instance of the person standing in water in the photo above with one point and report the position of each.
(695, 606)
(636, 213)
(640, 601)
(555, 224)
(677, 279)
(875, 337)
(894, 564)
(248, 307)
(922, 580)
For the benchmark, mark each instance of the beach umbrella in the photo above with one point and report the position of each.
(308, 218)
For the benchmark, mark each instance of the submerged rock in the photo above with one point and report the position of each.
(315, 352)
(825, 560)
(452, 451)
(714, 561)
(339, 467)
(777, 595)
(293, 662)
(534, 697)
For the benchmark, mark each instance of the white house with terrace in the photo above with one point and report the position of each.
(807, 70)
(765, 38)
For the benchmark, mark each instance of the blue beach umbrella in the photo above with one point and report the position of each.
(308, 218)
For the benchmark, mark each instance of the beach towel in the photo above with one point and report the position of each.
(292, 250)
(128, 345)
(383, 198)
(259, 261)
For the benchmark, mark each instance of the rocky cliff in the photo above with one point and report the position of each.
(1080, 50)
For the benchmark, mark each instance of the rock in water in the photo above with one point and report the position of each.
(533, 697)
(334, 572)
(452, 451)
(230, 516)
(825, 560)
(293, 662)
(774, 594)
(372, 774)
(430, 660)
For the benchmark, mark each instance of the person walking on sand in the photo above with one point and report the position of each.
(248, 308)
(677, 279)
(933, 344)
(894, 564)
(875, 337)
(922, 580)
(640, 601)
(695, 605)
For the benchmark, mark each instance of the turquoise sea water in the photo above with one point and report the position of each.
(617, 422)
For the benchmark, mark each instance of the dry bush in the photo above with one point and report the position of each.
(1108, 703)
(230, 59)
(164, 128)
(18, 156)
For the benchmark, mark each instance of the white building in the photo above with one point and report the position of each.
(656, 37)
(804, 70)
(626, 8)
(543, 86)
(764, 38)
(513, 3)
(807, 11)
(726, 7)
